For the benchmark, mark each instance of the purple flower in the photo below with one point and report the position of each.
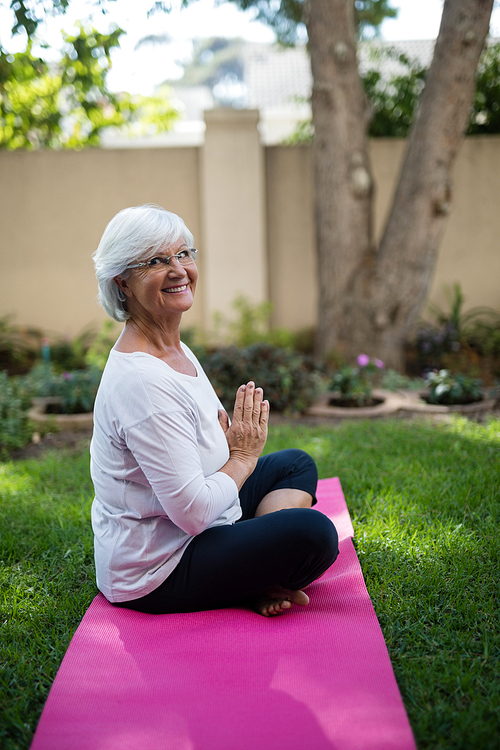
(379, 363)
(363, 360)
(66, 375)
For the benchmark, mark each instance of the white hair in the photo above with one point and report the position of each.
(134, 234)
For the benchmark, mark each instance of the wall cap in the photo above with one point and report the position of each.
(228, 117)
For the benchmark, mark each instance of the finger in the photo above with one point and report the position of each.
(257, 404)
(264, 413)
(223, 419)
(238, 404)
(248, 401)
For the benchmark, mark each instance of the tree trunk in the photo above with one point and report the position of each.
(370, 298)
(342, 177)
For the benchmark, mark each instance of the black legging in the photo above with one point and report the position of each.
(231, 565)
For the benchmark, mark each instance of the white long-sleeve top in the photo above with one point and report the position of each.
(156, 452)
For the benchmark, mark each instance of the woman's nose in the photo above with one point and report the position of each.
(175, 266)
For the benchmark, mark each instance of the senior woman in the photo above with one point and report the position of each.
(185, 510)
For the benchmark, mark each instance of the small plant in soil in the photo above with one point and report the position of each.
(353, 386)
(75, 389)
(449, 390)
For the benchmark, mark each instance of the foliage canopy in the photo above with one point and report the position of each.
(286, 16)
(394, 98)
(67, 103)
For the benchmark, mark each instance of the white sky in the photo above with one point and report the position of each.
(142, 69)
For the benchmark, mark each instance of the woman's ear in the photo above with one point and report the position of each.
(122, 285)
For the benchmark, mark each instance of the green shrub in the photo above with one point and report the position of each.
(40, 381)
(394, 98)
(355, 384)
(288, 379)
(453, 331)
(77, 389)
(14, 427)
(70, 354)
(448, 389)
(392, 380)
(19, 346)
(252, 325)
(483, 336)
(98, 351)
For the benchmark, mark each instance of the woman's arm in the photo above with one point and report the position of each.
(165, 447)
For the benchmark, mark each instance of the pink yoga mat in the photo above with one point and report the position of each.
(314, 678)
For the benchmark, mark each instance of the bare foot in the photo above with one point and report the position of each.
(277, 600)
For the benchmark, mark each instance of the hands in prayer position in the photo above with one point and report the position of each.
(247, 434)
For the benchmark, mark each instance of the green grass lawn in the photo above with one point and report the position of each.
(425, 503)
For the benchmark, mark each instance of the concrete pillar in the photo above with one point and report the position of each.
(233, 254)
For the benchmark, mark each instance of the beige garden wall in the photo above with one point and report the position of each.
(470, 249)
(249, 208)
(469, 252)
(54, 207)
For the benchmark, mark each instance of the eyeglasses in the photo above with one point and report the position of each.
(184, 257)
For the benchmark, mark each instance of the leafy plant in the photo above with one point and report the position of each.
(40, 382)
(484, 335)
(19, 346)
(76, 389)
(98, 352)
(67, 103)
(433, 341)
(485, 115)
(453, 316)
(88, 347)
(71, 353)
(355, 384)
(288, 379)
(252, 325)
(453, 331)
(448, 389)
(392, 380)
(394, 99)
(14, 427)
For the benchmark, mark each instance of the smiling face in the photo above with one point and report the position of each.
(160, 292)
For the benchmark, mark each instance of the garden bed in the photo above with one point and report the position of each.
(389, 403)
(45, 414)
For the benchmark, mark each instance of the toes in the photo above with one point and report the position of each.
(301, 598)
(279, 606)
(272, 606)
